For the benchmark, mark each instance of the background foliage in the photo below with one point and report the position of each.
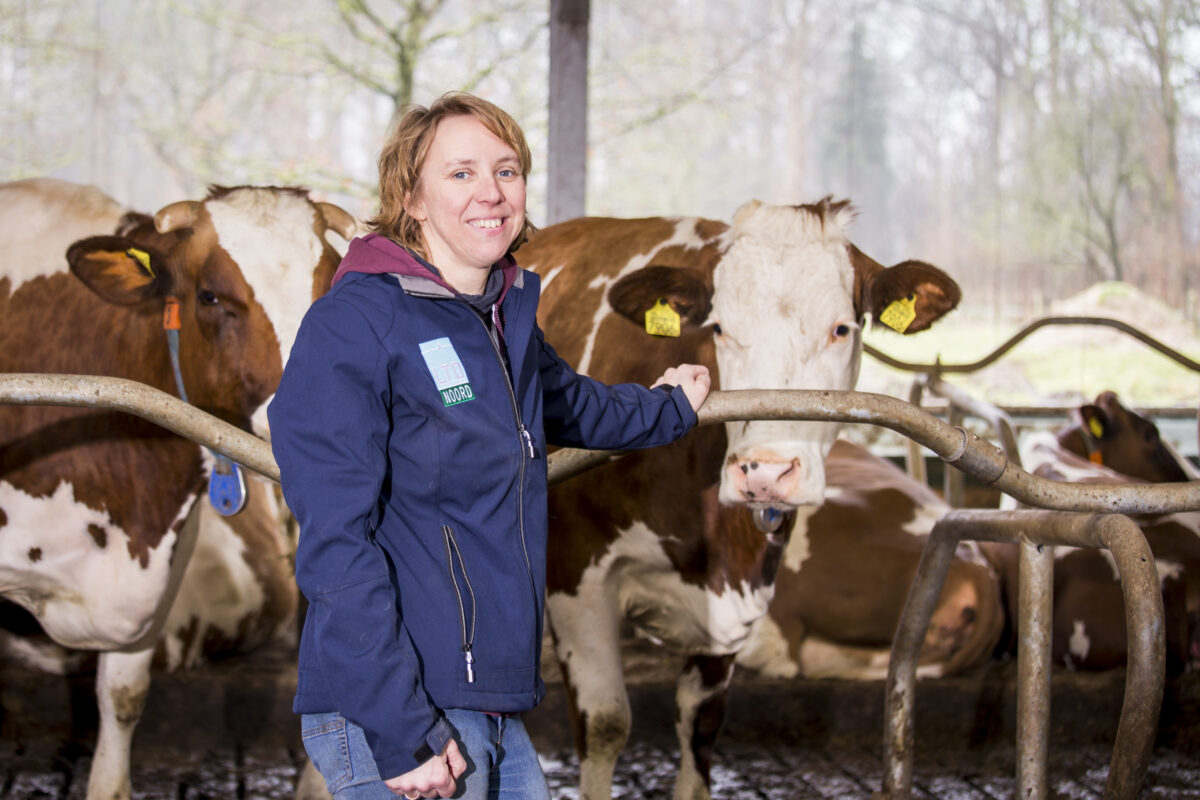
(1030, 147)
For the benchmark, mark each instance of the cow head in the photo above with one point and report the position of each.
(244, 265)
(1107, 433)
(785, 304)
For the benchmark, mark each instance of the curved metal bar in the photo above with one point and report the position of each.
(1015, 339)
(955, 446)
(90, 391)
(1146, 649)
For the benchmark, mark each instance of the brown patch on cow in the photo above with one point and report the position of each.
(685, 290)
(3, 518)
(35, 554)
(99, 535)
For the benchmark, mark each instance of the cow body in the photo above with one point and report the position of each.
(845, 577)
(664, 538)
(1089, 630)
(96, 527)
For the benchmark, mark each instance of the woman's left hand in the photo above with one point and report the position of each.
(694, 379)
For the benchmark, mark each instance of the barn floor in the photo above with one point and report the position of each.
(226, 732)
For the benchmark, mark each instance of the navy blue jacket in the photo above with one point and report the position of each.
(414, 459)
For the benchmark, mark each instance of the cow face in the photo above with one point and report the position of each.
(250, 260)
(1107, 433)
(785, 303)
(789, 301)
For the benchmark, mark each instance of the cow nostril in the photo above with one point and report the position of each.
(753, 465)
(745, 469)
(968, 615)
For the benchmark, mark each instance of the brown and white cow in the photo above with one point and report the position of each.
(1089, 622)
(845, 577)
(774, 301)
(93, 504)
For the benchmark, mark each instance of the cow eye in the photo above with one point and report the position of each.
(841, 331)
(207, 298)
(717, 328)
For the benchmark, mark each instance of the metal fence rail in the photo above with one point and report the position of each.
(954, 445)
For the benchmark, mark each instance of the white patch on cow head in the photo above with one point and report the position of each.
(783, 300)
(269, 234)
(70, 566)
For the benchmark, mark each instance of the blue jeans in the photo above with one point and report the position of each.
(501, 761)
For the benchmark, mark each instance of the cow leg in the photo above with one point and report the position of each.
(587, 642)
(122, 684)
(700, 697)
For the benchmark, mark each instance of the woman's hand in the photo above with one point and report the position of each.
(694, 379)
(435, 778)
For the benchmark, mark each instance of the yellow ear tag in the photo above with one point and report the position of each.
(142, 257)
(900, 314)
(662, 320)
(1095, 427)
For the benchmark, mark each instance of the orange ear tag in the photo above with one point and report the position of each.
(171, 314)
(900, 314)
(662, 320)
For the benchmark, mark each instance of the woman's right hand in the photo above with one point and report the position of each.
(437, 777)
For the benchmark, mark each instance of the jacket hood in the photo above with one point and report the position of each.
(375, 254)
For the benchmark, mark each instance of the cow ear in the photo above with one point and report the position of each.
(683, 289)
(118, 270)
(912, 294)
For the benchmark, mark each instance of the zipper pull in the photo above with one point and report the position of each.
(470, 659)
(528, 442)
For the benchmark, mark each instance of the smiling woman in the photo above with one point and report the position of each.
(410, 430)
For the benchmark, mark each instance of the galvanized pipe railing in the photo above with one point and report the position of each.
(91, 391)
(955, 446)
(1032, 529)
(994, 356)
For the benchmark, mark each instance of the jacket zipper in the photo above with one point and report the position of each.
(528, 449)
(468, 639)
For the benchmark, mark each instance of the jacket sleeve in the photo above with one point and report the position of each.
(329, 425)
(579, 411)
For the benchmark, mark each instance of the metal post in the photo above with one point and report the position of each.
(1035, 604)
(1146, 659)
(567, 151)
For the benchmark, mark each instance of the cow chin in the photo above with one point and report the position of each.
(780, 478)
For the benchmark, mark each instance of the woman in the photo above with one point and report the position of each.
(410, 428)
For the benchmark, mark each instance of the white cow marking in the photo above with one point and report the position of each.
(85, 596)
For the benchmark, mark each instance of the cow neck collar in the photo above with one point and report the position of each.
(226, 483)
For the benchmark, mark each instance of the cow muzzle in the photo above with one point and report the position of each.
(761, 479)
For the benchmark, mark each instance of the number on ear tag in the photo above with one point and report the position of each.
(900, 314)
(227, 488)
(662, 320)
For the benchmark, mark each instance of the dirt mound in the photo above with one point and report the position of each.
(1121, 301)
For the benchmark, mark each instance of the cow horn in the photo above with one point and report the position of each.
(176, 216)
(339, 219)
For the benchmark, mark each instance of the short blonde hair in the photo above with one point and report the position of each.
(404, 155)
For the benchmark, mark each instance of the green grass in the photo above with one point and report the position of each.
(1054, 366)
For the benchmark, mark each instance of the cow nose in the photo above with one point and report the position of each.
(765, 481)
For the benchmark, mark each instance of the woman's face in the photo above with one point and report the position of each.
(470, 201)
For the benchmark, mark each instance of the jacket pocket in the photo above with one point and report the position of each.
(458, 567)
